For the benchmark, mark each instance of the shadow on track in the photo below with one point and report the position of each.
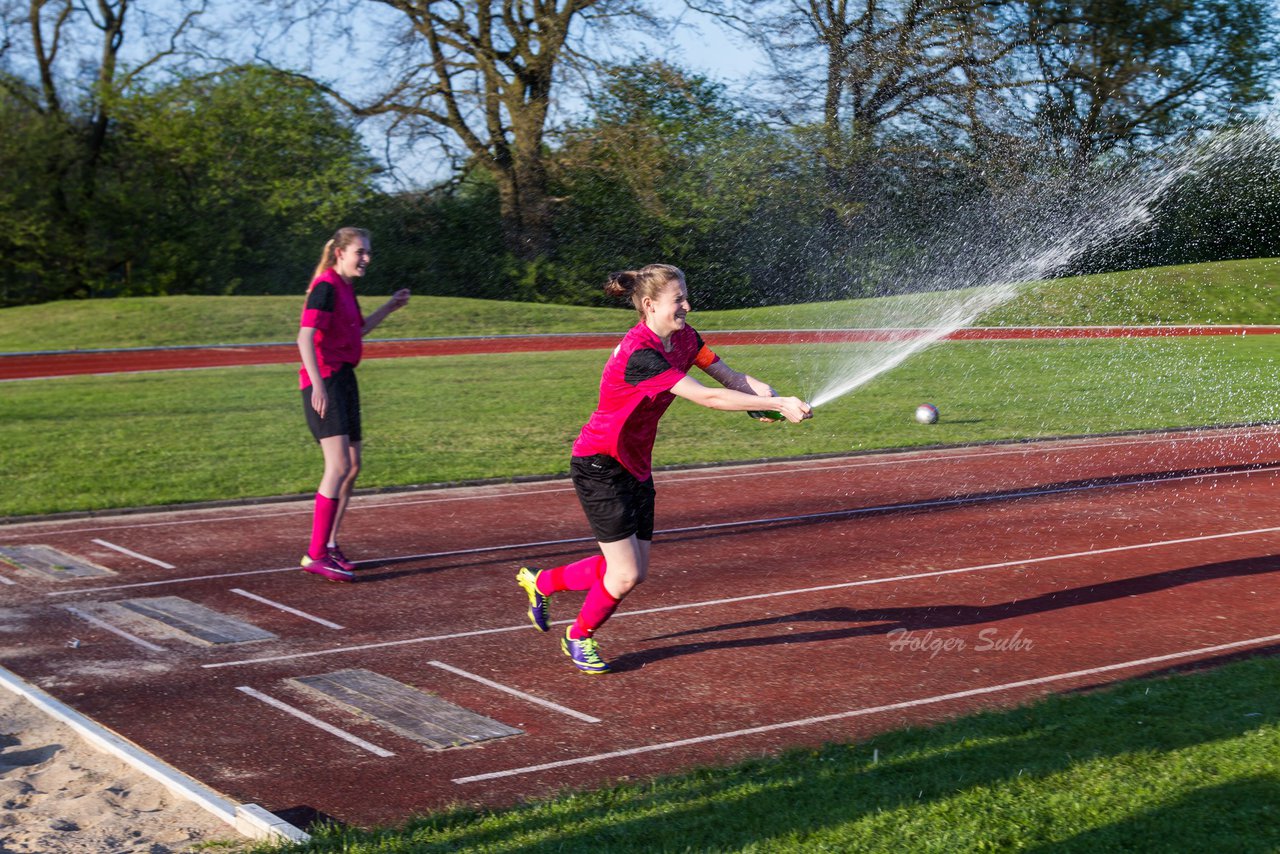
(882, 621)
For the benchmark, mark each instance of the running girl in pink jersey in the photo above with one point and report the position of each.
(611, 464)
(331, 340)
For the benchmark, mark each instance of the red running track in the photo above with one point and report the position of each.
(14, 366)
(791, 603)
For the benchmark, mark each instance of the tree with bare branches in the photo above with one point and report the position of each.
(74, 48)
(1124, 76)
(479, 75)
(865, 75)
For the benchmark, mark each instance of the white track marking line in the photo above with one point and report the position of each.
(254, 512)
(103, 624)
(283, 607)
(872, 710)
(890, 458)
(6, 580)
(1047, 448)
(865, 582)
(366, 646)
(948, 502)
(215, 577)
(832, 514)
(303, 716)
(130, 553)
(513, 692)
(1035, 446)
(716, 526)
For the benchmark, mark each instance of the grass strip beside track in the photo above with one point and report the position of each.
(94, 443)
(1174, 763)
(1228, 292)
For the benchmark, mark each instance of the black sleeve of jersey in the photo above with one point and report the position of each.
(645, 364)
(701, 344)
(322, 297)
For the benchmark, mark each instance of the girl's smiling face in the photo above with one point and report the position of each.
(352, 260)
(665, 313)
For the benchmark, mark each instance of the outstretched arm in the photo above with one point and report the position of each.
(398, 300)
(738, 381)
(731, 400)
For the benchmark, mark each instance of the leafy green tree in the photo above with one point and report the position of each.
(670, 169)
(62, 71)
(36, 235)
(895, 107)
(443, 242)
(234, 181)
(636, 175)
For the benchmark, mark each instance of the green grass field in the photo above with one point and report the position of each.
(95, 443)
(1226, 293)
(1184, 763)
(101, 442)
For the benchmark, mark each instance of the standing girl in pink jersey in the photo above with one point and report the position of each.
(330, 340)
(612, 456)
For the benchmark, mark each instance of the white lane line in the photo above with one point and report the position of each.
(718, 526)
(889, 458)
(103, 624)
(872, 710)
(365, 646)
(849, 513)
(255, 512)
(915, 458)
(286, 608)
(219, 576)
(131, 553)
(1011, 495)
(303, 716)
(513, 692)
(959, 570)
(865, 582)
(7, 580)
(825, 514)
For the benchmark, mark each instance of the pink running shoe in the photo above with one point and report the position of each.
(325, 567)
(336, 555)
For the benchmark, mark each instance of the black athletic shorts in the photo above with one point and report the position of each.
(342, 415)
(617, 505)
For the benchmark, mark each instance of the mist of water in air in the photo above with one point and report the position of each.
(981, 257)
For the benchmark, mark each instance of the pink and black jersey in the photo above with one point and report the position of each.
(635, 390)
(333, 311)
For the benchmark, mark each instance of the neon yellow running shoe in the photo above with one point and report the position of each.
(584, 654)
(539, 605)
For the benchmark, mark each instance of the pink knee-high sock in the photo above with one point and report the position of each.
(599, 607)
(579, 575)
(321, 524)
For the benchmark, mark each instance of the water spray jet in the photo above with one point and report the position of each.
(994, 251)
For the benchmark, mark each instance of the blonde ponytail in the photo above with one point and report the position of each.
(635, 285)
